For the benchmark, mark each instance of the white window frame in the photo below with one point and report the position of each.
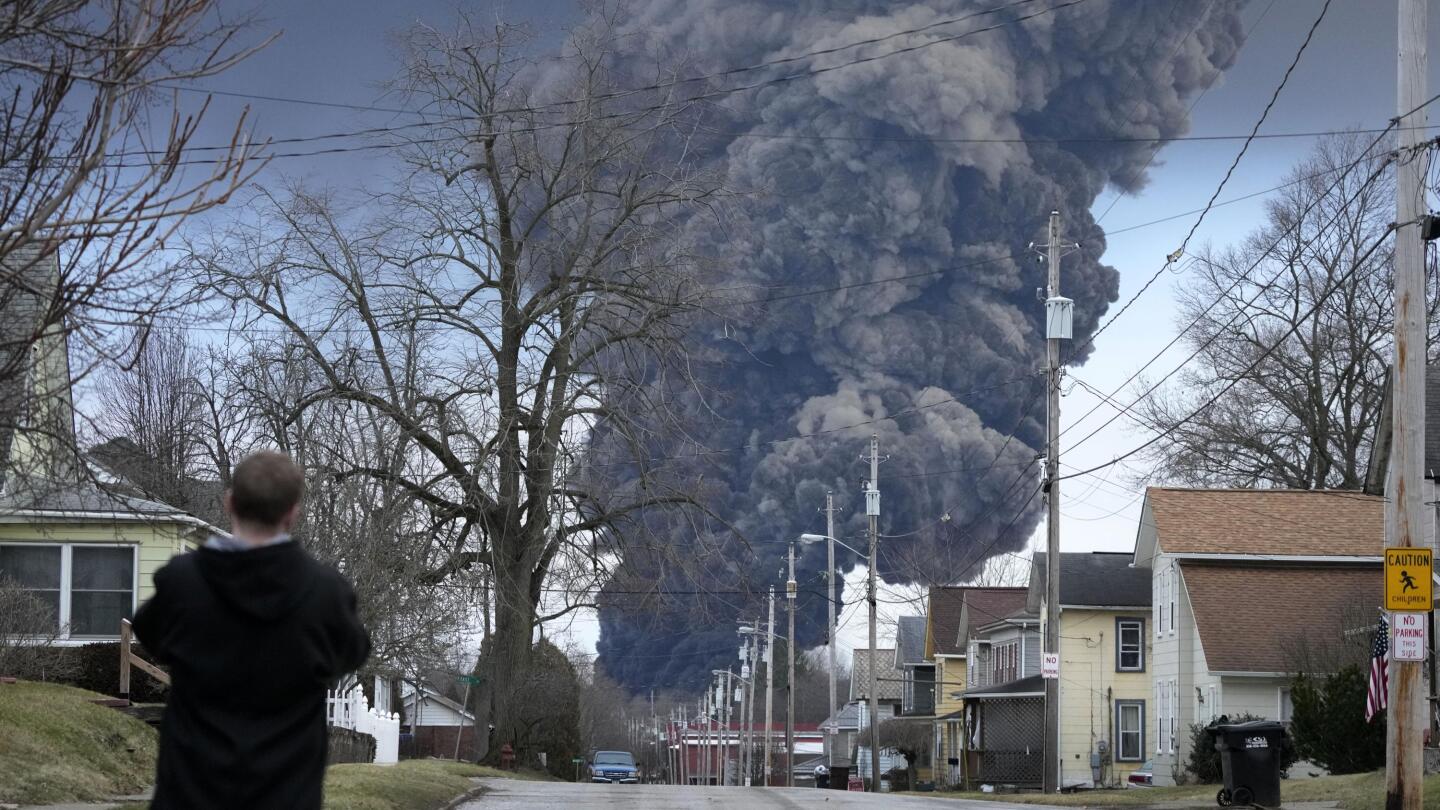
(1174, 589)
(1214, 699)
(1120, 624)
(66, 570)
(1160, 692)
(1174, 711)
(1120, 730)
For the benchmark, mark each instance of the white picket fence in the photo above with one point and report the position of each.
(349, 709)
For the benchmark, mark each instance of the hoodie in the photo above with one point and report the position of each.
(253, 640)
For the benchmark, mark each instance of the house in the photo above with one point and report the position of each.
(1105, 649)
(1244, 584)
(435, 725)
(889, 682)
(947, 644)
(917, 696)
(1005, 702)
(86, 553)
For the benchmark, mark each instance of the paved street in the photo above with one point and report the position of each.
(510, 794)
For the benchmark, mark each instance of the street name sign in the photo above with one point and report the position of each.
(1050, 665)
(1407, 579)
(1407, 637)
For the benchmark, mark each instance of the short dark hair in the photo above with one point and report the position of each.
(264, 487)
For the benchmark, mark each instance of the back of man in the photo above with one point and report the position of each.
(254, 631)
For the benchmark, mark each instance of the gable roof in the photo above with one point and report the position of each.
(910, 641)
(942, 621)
(887, 677)
(987, 606)
(1251, 617)
(1272, 522)
(1092, 579)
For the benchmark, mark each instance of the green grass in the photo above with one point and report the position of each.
(417, 784)
(1364, 791)
(57, 746)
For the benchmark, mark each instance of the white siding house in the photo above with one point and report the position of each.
(1242, 581)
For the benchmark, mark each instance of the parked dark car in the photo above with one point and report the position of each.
(1145, 777)
(615, 767)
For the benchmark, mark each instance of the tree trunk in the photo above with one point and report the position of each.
(505, 660)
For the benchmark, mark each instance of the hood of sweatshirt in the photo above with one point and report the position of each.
(267, 583)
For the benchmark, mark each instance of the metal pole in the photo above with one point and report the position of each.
(1051, 776)
(1403, 526)
(745, 715)
(872, 510)
(830, 607)
(790, 681)
(769, 686)
(750, 713)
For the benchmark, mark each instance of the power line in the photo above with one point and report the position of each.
(1244, 147)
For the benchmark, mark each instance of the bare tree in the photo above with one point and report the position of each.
(503, 321)
(95, 175)
(1296, 322)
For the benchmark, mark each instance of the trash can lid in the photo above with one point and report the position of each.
(1252, 727)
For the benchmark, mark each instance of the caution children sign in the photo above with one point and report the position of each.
(1408, 579)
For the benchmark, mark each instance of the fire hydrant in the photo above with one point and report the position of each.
(507, 757)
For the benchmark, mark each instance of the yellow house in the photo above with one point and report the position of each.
(1105, 720)
(85, 551)
(952, 615)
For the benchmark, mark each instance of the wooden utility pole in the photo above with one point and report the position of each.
(830, 608)
(790, 594)
(769, 686)
(872, 511)
(1057, 328)
(1404, 524)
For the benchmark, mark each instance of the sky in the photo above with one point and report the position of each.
(342, 52)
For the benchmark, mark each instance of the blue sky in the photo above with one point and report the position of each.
(342, 51)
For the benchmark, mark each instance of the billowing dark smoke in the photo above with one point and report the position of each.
(863, 175)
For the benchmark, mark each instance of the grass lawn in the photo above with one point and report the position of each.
(417, 784)
(57, 746)
(1356, 792)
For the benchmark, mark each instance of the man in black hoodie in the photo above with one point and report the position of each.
(254, 632)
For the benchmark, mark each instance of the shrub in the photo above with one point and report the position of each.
(1204, 764)
(95, 667)
(1329, 722)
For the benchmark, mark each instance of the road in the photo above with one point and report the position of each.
(513, 794)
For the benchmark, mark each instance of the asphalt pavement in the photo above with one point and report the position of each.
(513, 794)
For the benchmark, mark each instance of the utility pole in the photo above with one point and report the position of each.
(1058, 317)
(769, 686)
(830, 606)
(790, 589)
(872, 511)
(1404, 787)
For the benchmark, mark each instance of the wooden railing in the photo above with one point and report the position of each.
(128, 658)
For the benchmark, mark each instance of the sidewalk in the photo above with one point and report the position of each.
(112, 803)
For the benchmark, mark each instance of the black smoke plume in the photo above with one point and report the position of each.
(938, 166)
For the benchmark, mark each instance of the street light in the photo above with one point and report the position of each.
(870, 580)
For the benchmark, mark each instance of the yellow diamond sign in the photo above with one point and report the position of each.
(1407, 579)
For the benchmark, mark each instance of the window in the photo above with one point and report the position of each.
(1214, 703)
(1156, 600)
(88, 588)
(1160, 733)
(1174, 588)
(1130, 645)
(1129, 730)
(1174, 711)
(1164, 600)
(1287, 706)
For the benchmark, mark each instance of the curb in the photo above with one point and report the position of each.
(468, 796)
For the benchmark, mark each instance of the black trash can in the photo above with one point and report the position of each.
(1250, 758)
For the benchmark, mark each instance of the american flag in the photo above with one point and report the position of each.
(1377, 692)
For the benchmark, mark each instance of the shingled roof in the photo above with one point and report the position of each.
(1256, 618)
(1093, 579)
(946, 608)
(1266, 521)
(910, 641)
(986, 606)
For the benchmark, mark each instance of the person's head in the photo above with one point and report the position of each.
(265, 491)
